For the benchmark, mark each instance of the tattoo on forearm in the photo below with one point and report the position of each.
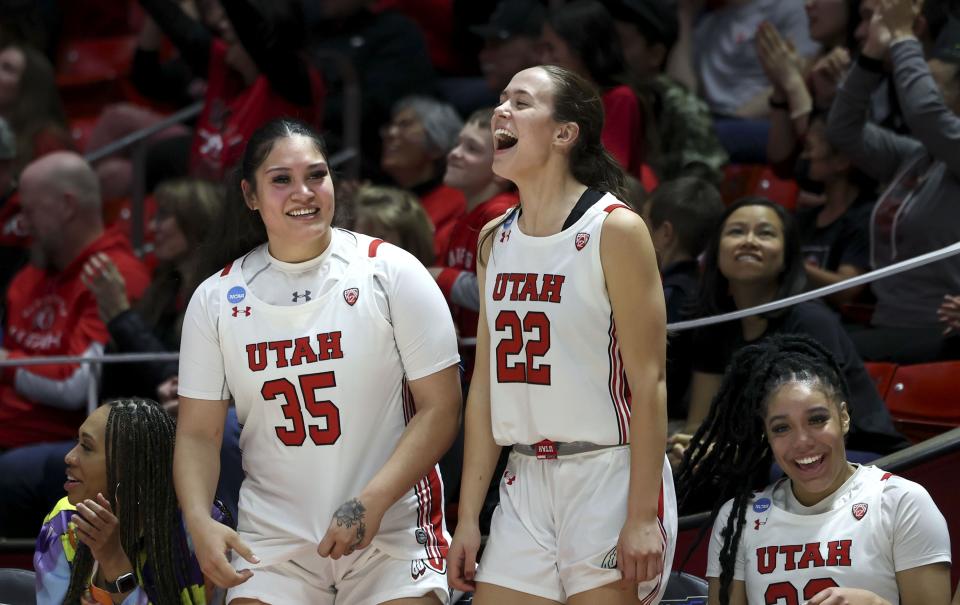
(350, 514)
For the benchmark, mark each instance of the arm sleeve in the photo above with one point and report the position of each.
(466, 291)
(65, 386)
(282, 64)
(876, 151)
(919, 531)
(929, 118)
(422, 325)
(189, 36)
(716, 545)
(202, 374)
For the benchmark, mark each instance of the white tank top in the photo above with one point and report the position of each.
(789, 558)
(555, 366)
(320, 391)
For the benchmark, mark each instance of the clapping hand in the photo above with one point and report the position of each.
(826, 75)
(949, 313)
(779, 58)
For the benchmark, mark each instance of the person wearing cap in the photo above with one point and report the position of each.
(648, 30)
(510, 41)
(918, 212)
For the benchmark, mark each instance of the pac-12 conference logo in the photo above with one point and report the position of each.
(236, 295)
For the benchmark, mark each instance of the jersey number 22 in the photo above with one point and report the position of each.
(529, 371)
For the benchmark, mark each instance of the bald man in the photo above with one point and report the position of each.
(49, 310)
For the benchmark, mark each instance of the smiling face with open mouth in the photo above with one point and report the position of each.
(523, 125)
(751, 245)
(805, 429)
(294, 195)
(87, 461)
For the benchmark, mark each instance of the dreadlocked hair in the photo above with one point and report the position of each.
(139, 441)
(730, 450)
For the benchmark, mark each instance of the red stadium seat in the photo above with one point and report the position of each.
(882, 375)
(741, 180)
(924, 399)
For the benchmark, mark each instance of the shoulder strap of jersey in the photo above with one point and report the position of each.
(374, 245)
(616, 205)
(226, 270)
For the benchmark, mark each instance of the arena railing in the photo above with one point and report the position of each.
(346, 161)
(906, 265)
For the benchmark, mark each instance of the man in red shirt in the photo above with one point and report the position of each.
(49, 310)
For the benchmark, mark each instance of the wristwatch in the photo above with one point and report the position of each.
(125, 583)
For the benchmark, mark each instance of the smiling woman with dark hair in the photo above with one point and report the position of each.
(754, 258)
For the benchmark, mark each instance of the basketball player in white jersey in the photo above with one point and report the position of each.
(324, 339)
(830, 532)
(569, 371)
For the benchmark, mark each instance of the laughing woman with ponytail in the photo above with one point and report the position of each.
(117, 536)
(830, 532)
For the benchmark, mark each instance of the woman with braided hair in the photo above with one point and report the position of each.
(830, 532)
(117, 536)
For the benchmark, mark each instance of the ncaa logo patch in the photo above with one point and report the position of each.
(761, 505)
(581, 240)
(236, 295)
(351, 295)
(859, 510)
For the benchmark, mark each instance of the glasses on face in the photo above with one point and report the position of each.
(402, 125)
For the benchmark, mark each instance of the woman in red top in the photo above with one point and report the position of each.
(470, 170)
(581, 36)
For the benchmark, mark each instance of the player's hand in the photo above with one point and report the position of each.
(212, 541)
(99, 529)
(462, 556)
(640, 551)
(846, 596)
(353, 527)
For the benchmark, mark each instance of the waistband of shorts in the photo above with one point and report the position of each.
(562, 448)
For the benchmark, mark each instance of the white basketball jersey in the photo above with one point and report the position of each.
(789, 558)
(320, 392)
(555, 366)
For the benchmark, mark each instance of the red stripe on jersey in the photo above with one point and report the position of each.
(886, 476)
(618, 386)
(372, 251)
(409, 408)
(226, 270)
(429, 492)
(613, 207)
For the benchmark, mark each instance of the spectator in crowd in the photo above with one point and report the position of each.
(389, 57)
(917, 213)
(49, 311)
(785, 400)
(685, 141)
(511, 41)
(581, 36)
(681, 215)
(416, 141)
(799, 87)
(395, 216)
(754, 258)
(835, 237)
(255, 71)
(715, 56)
(186, 211)
(117, 535)
(30, 103)
(13, 239)
(470, 170)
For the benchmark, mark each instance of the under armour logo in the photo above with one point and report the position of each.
(306, 296)
(509, 477)
(504, 236)
(757, 523)
(245, 310)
